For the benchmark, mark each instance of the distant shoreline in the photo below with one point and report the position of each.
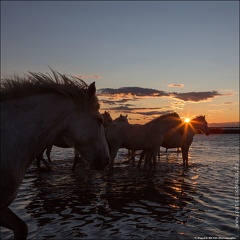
(224, 130)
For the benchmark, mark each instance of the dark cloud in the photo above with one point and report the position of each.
(108, 102)
(113, 101)
(120, 108)
(149, 113)
(135, 91)
(141, 111)
(196, 96)
(147, 92)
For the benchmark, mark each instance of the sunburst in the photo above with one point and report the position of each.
(187, 120)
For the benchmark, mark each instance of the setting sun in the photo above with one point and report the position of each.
(187, 120)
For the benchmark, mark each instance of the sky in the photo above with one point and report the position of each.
(147, 58)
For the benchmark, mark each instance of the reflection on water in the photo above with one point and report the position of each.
(175, 203)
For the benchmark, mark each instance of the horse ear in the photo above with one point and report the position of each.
(126, 116)
(91, 91)
(121, 115)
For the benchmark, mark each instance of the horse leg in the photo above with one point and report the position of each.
(141, 158)
(46, 163)
(11, 221)
(113, 154)
(152, 160)
(74, 164)
(38, 159)
(154, 156)
(185, 156)
(131, 155)
(147, 160)
(77, 158)
(77, 155)
(48, 151)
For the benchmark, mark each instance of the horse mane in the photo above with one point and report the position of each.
(15, 87)
(197, 118)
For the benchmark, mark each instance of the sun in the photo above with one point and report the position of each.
(187, 120)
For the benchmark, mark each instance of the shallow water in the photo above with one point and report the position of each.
(200, 202)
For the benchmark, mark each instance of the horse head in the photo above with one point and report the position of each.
(201, 124)
(86, 132)
(122, 118)
(107, 119)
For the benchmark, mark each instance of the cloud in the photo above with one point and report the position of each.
(229, 103)
(150, 113)
(138, 93)
(179, 103)
(223, 104)
(133, 92)
(196, 96)
(176, 85)
(218, 110)
(89, 76)
(127, 108)
(113, 101)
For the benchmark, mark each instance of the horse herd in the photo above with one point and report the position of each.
(42, 110)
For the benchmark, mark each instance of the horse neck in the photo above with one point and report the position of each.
(36, 122)
(196, 126)
(188, 131)
(161, 125)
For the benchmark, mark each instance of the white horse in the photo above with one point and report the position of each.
(176, 140)
(173, 139)
(34, 111)
(139, 137)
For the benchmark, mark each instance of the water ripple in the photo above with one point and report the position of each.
(175, 203)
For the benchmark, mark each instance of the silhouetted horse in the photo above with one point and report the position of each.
(173, 139)
(139, 137)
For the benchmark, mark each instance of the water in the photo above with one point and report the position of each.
(200, 202)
